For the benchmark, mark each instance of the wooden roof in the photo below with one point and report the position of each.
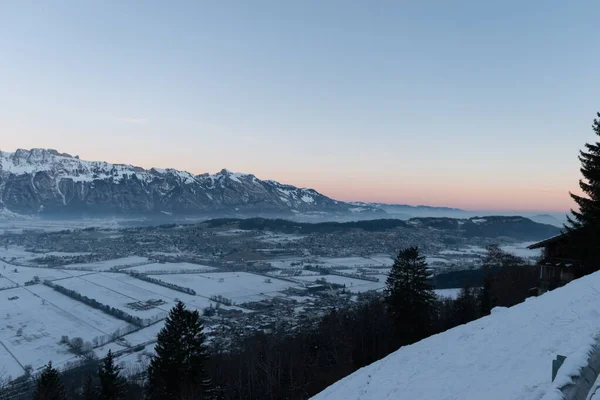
(545, 242)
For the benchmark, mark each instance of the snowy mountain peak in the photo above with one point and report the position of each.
(45, 179)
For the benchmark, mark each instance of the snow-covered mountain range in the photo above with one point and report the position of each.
(44, 181)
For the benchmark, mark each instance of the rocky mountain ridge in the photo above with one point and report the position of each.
(45, 181)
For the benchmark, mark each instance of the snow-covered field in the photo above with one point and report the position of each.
(521, 250)
(15, 252)
(469, 250)
(169, 267)
(271, 237)
(31, 328)
(108, 264)
(334, 262)
(114, 293)
(28, 223)
(299, 272)
(377, 261)
(432, 260)
(352, 284)
(451, 293)
(10, 367)
(5, 283)
(20, 275)
(103, 322)
(507, 355)
(237, 286)
(166, 294)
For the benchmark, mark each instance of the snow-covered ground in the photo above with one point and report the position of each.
(10, 367)
(431, 260)
(20, 275)
(106, 265)
(103, 322)
(114, 292)
(5, 283)
(507, 355)
(169, 267)
(237, 286)
(521, 250)
(21, 223)
(352, 284)
(166, 294)
(355, 261)
(451, 293)
(333, 262)
(271, 237)
(31, 328)
(15, 252)
(468, 250)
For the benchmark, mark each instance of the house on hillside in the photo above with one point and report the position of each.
(558, 265)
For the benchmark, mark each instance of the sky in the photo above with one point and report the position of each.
(472, 104)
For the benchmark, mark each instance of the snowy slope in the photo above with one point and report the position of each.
(505, 356)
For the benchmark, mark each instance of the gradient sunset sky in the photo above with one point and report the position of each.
(472, 104)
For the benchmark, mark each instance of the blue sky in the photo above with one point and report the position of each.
(473, 104)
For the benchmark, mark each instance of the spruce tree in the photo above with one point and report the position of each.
(89, 391)
(49, 386)
(410, 297)
(465, 305)
(584, 225)
(485, 298)
(177, 370)
(112, 385)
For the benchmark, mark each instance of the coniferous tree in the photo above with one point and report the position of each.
(177, 370)
(89, 391)
(410, 297)
(465, 305)
(485, 298)
(584, 225)
(49, 386)
(112, 385)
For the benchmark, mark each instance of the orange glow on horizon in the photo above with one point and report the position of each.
(484, 195)
(500, 198)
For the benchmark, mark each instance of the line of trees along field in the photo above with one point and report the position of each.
(160, 282)
(120, 314)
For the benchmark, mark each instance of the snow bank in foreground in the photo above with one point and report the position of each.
(570, 368)
(507, 355)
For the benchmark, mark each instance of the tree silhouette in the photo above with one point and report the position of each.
(584, 225)
(49, 386)
(410, 297)
(89, 390)
(177, 370)
(112, 385)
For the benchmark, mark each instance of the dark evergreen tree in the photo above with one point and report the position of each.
(465, 305)
(510, 278)
(410, 297)
(496, 258)
(89, 390)
(49, 386)
(177, 370)
(485, 298)
(112, 385)
(584, 225)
